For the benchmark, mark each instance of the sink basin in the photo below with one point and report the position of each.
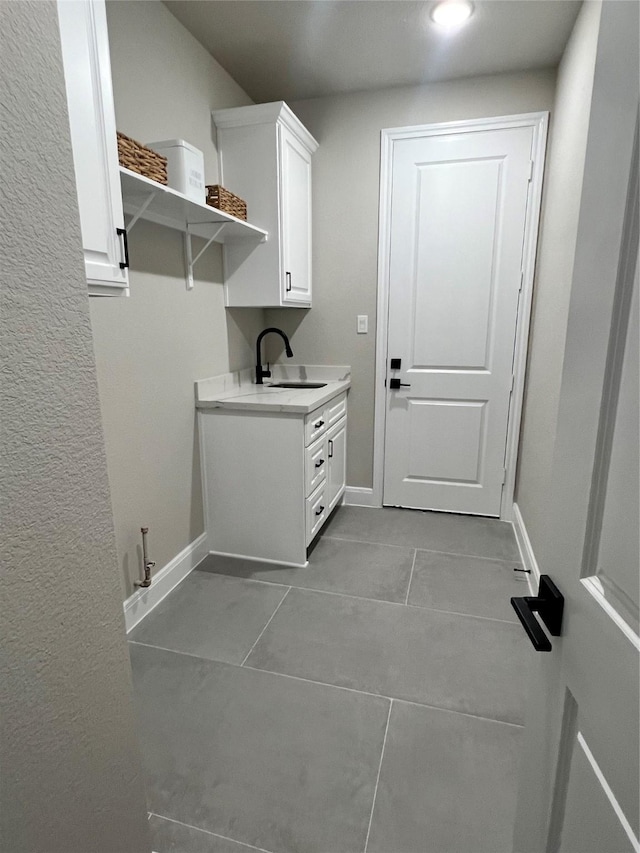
(297, 385)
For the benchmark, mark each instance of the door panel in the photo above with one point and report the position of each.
(436, 427)
(452, 321)
(337, 459)
(296, 219)
(458, 215)
(87, 67)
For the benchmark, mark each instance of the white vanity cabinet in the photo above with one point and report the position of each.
(265, 158)
(87, 70)
(271, 479)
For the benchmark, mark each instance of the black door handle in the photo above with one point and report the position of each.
(395, 384)
(288, 277)
(549, 603)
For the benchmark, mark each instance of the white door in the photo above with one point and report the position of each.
(579, 790)
(87, 71)
(458, 215)
(296, 218)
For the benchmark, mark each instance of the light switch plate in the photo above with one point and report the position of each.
(363, 324)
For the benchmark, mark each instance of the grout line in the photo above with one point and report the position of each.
(429, 550)
(266, 626)
(375, 790)
(331, 686)
(365, 542)
(413, 565)
(364, 598)
(380, 696)
(208, 832)
(175, 652)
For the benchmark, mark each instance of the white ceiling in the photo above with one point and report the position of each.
(291, 49)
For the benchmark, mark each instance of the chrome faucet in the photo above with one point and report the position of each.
(260, 373)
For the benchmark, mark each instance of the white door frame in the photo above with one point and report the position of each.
(389, 136)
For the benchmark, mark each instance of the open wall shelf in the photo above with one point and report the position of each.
(145, 199)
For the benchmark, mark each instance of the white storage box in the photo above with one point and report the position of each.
(185, 167)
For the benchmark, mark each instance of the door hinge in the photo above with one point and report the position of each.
(513, 382)
(530, 170)
(521, 281)
(504, 476)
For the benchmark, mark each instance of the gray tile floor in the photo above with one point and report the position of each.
(370, 702)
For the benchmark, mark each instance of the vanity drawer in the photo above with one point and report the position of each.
(335, 409)
(318, 422)
(316, 511)
(315, 464)
(315, 424)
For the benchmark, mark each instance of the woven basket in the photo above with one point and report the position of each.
(137, 157)
(218, 197)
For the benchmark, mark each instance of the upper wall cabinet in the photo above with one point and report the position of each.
(87, 70)
(265, 157)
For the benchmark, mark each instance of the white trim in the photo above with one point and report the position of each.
(527, 557)
(360, 496)
(615, 805)
(142, 602)
(259, 559)
(539, 121)
(594, 587)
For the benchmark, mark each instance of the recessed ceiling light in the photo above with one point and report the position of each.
(452, 13)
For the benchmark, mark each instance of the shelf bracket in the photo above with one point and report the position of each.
(190, 261)
(145, 204)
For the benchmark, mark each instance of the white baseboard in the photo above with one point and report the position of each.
(359, 496)
(527, 557)
(142, 602)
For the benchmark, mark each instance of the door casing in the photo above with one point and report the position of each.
(538, 121)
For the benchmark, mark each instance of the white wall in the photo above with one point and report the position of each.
(554, 269)
(345, 209)
(151, 347)
(71, 771)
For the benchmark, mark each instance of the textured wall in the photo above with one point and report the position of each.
(71, 775)
(151, 347)
(554, 269)
(346, 172)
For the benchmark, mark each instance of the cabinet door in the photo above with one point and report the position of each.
(295, 182)
(87, 70)
(337, 462)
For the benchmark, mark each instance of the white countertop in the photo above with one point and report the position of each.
(239, 390)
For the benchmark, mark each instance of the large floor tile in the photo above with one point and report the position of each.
(170, 837)
(447, 784)
(462, 663)
(355, 568)
(211, 616)
(434, 531)
(463, 584)
(275, 762)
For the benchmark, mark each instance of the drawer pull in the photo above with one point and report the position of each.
(319, 463)
(318, 424)
(320, 510)
(330, 448)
